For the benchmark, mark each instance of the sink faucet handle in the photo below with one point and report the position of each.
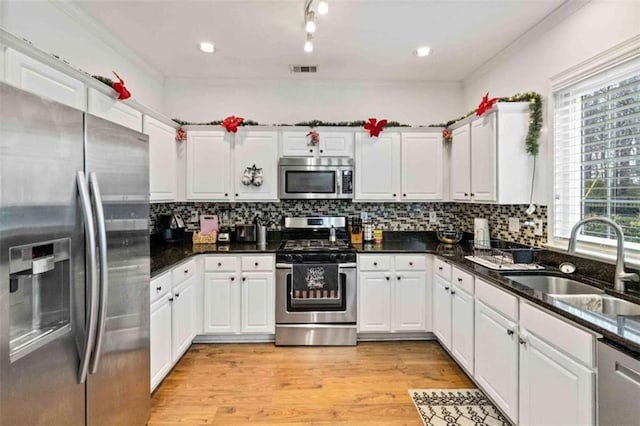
(629, 276)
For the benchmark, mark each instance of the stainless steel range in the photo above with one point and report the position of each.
(315, 283)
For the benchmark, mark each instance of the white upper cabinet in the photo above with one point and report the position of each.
(162, 160)
(296, 143)
(377, 168)
(110, 108)
(208, 165)
(259, 148)
(33, 76)
(335, 144)
(489, 162)
(422, 166)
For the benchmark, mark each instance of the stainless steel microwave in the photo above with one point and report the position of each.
(315, 178)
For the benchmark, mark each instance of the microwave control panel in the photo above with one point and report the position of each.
(347, 181)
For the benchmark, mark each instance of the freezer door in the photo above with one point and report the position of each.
(118, 168)
(42, 263)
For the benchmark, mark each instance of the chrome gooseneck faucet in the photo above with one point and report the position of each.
(621, 275)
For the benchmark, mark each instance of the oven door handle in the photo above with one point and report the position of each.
(284, 266)
(340, 265)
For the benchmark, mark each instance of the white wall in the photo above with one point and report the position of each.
(546, 51)
(288, 102)
(63, 30)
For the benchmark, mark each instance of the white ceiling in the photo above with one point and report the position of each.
(357, 40)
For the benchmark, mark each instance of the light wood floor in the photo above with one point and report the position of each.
(265, 384)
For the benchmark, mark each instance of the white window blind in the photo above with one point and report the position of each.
(597, 154)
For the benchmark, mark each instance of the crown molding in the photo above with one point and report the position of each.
(553, 18)
(72, 9)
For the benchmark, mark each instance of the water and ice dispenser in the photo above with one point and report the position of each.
(39, 295)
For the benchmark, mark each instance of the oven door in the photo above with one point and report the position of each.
(312, 182)
(332, 305)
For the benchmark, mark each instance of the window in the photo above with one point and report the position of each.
(597, 154)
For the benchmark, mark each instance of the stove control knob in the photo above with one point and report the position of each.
(288, 257)
(333, 257)
(298, 258)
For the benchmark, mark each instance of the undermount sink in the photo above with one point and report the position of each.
(601, 304)
(554, 285)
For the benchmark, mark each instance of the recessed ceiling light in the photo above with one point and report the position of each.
(422, 51)
(323, 7)
(308, 45)
(207, 47)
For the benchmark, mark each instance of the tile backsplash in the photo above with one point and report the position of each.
(388, 216)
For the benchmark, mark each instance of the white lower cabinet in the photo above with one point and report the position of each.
(462, 327)
(557, 376)
(173, 318)
(239, 300)
(160, 340)
(392, 294)
(442, 310)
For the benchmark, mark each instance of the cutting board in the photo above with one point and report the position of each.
(208, 223)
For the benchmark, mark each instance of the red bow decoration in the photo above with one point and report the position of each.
(315, 137)
(374, 127)
(486, 104)
(447, 135)
(181, 135)
(231, 123)
(120, 89)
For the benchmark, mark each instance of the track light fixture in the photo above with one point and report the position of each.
(310, 20)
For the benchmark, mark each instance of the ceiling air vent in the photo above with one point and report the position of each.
(303, 68)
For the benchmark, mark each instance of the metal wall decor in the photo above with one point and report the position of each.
(252, 176)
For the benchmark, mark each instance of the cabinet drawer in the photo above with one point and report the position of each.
(442, 268)
(576, 342)
(221, 263)
(411, 263)
(501, 301)
(257, 263)
(462, 279)
(374, 263)
(159, 286)
(184, 271)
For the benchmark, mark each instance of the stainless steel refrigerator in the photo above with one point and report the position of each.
(74, 266)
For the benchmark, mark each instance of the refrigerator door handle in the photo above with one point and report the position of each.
(92, 307)
(104, 270)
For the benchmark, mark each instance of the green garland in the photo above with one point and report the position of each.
(357, 123)
(532, 142)
(213, 123)
(104, 80)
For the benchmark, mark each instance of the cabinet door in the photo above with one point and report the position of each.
(335, 144)
(554, 389)
(496, 358)
(183, 318)
(208, 165)
(374, 301)
(33, 76)
(258, 302)
(422, 166)
(409, 302)
(221, 303)
(162, 160)
(460, 169)
(297, 144)
(260, 149)
(462, 327)
(483, 159)
(160, 340)
(442, 310)
(377, 167)
(110, 108)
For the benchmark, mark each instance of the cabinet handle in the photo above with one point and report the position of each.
(233, 278)
(177, 295)
(446, 288)
(439, 268)
(159, 288)
(257, 264)
(510, 332)
(375, 263)
(453, 292)
(459, 280)
(244, 278)
(186, 271)
(226, 194)
(321, 151)
(410, 263)
(398, 278)
(171, 299)
(404, 195)
(394, 195)
(236, 195)
(522, 342)
(472, 194)
(387, 278)
(466, 194)
(311, 150)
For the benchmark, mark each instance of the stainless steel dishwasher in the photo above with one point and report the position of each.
(618, 387)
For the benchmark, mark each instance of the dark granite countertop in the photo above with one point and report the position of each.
(627, 335)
